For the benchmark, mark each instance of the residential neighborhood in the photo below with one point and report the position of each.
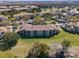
(39, 29)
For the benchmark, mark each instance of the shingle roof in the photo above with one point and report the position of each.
(38, 27)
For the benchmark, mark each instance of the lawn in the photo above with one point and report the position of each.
(23, 45)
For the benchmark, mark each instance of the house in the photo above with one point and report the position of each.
(21, 8)
(73, 12)
(2, 17)
(38, 30)
(5, 29)
(3, 7)
(7, 9)
(14, 7)
(22, 14)
(31, 6)
(72, 27)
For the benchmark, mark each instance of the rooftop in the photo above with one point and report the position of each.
(73, 24)
(5, 29)
(39, 27)
(22, 14)
(2, 17)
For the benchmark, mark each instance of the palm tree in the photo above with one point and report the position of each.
(63, 52)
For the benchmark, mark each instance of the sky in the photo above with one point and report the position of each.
(39, 0)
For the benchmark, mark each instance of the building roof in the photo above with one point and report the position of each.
(14, 6)
(2, 17)
(22, 14)
(5, 9)
(75, 24)
(20, 8)
(5, 29)
(38, 27)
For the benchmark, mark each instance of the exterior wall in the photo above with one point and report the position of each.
(31, 33)
(38, 33)
(78, 29)
(47, 33)
(1, 34)
(28, 33)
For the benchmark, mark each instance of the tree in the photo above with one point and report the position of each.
(25, 18)
(12, 19)
(53, 22)
(38, 20)
(35, 10)
(8, 41)
(63, 52)
(12, 12)
(47, 16)
(38, 50)
(6, 22)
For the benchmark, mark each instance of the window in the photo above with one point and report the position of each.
(44, 33)
(35, 33)
(50, 32)
(28, 33)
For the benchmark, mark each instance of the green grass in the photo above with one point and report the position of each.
(23, 45)
(50, 21)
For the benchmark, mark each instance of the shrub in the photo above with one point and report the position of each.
(8, 41)
(38, 50)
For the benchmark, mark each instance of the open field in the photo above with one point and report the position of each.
(23, 45)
